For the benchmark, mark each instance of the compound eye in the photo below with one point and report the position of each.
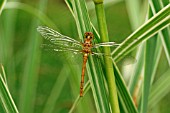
(86, 36)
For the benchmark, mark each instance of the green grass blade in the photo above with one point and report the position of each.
(78, 99)
(2, 4)
(148, 29)
(133, 9)
(159, 89)
(54, 95)
(108, 63)
(148, 68)
(5, 96)
(96, 78)
(7, 49)
(163, 39)
(153, 48)
(3, 73)
(156, 56)
(135, 16)
(33, 11)
(74, 82)
(166, 42)
(123, 94)
(95, 74)
(164, 2)
(137, 70)
(30, 75)
(165, 33)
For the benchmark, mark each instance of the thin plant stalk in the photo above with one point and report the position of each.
(109, 68)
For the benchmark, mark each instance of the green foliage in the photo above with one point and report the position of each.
(2, 4)
(40, 82)
(6, 99)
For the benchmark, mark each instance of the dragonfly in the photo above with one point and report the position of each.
(65, 43)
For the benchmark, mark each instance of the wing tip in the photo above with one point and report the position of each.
(40, 28)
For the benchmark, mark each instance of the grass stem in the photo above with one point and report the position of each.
(109, 68)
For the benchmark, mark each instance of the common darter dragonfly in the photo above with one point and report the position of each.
(65, 43)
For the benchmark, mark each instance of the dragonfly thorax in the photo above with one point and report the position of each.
(87, 45)
(86, 50)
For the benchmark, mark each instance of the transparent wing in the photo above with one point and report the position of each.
(73, 56)
(61, 48)
(57, 38)
(106, 44)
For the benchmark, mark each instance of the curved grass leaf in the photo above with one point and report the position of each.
(31, 67)
(159, 89)
(133, 9)
(2, 4)
(76, 102)
(123, 94)
(5, 96)
(137, 70)
(35, 12)
(153, 48)
(136, 17)
(165, 33)
(54, 95)
(3, 73)
(148, 29)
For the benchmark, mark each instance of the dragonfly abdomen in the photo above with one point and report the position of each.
(85, 57)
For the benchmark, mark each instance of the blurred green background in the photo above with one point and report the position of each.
(25, 61)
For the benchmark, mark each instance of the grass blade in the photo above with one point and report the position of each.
(156, 55)
(165, 33)
(2, 4)
(7, 50)
(135, 20)
(136, 17)
(148, 29)
(6, 98)
(151, 64)
(137, 70)
(33, 11)
(54, 95)
(123, 94)
(133, 9)
(159, 89)
(78, 99)
(3, 73)
(110, 77)
(30, 76)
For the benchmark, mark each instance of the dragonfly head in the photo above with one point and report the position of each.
(88, 36)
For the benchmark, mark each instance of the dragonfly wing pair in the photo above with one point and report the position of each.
(61, 42)
(66, 43)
